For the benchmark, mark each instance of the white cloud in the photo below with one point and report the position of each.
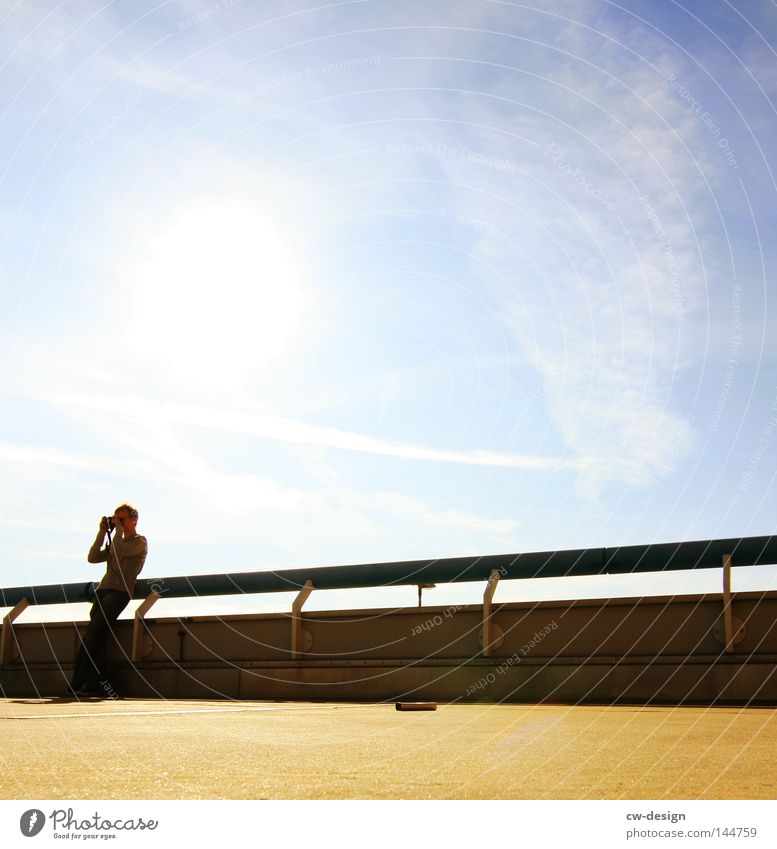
(153, 457)
(288, 430)
(589, 245)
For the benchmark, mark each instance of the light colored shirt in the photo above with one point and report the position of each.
(125, 559)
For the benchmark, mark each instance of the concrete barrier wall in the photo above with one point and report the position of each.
(666, 649)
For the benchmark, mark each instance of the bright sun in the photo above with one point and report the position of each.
(217, 292)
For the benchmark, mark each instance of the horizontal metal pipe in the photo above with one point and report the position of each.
(660, 557)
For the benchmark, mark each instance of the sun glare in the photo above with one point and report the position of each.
(217, 292)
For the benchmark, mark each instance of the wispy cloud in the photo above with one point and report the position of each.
(154, 457)
(288, 430)
(589, 243)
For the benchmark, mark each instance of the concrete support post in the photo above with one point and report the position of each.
(421, 588)
(296, 620)
(7, 639)
(488, 630)
(728, 617)
(138, 627)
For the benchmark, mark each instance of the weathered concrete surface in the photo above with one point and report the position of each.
(143, 749)
(646, 650)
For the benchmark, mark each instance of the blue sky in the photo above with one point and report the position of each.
(343, 283)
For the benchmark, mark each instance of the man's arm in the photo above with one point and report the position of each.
(98, 554)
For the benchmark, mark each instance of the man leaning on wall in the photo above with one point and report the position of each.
(124, 555)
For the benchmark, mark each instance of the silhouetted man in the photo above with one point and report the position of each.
(125, 556)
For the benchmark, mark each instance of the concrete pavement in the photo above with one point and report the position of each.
(144, 749)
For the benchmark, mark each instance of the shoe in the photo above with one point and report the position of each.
(85, 693)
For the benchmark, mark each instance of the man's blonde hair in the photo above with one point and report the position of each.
(131, 511)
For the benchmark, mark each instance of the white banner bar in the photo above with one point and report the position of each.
(390, 824)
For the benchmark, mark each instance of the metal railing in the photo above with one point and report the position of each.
(660, 557)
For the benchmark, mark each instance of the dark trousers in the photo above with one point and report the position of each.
(90, 669)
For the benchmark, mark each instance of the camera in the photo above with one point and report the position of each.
(109, 523)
